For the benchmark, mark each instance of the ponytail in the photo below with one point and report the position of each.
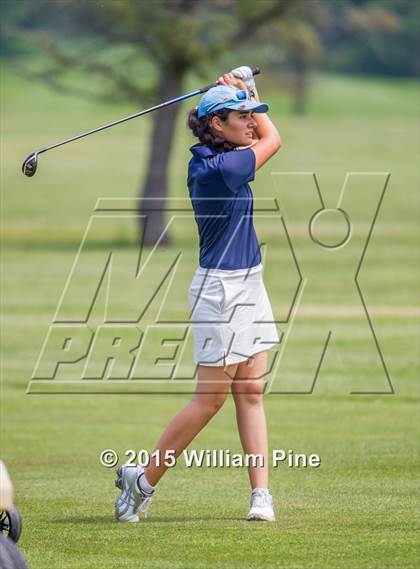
(201, 129)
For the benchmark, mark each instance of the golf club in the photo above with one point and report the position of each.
(30, 164)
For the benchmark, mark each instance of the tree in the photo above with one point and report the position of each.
(372, 36)
(175, 37)
(359, 36)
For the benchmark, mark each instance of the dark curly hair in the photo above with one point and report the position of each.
(201, 129)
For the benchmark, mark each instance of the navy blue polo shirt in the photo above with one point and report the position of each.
(223, 207)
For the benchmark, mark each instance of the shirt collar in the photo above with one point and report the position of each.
(202, 151)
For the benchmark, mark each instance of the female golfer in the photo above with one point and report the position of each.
(230, 310)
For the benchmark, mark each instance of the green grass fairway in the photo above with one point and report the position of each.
(359, 509)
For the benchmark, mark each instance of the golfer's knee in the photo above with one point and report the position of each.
(246, 395)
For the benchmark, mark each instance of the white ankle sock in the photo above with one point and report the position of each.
(144, 486)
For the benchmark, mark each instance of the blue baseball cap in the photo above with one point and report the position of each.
(228, 97)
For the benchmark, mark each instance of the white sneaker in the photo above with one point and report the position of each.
(130, 501)
(261, 506)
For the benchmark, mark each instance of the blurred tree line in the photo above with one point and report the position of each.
(143, 51)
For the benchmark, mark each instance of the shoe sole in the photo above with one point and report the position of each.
(259, 518)
(133, 520)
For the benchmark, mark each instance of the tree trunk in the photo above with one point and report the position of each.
(155, 187)
(301, 85)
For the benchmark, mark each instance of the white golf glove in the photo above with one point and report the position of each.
(245, 73)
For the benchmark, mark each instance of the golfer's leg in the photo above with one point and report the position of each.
(212, 388)
(247, 390)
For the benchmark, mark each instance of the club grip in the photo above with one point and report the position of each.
(255, 71)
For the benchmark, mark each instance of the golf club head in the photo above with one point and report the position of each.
(30, 165)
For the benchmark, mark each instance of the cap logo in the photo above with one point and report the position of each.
(242, 106)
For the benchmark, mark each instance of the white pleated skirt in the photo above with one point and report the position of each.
(231, 316)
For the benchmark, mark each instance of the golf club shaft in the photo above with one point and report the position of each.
(255, 71)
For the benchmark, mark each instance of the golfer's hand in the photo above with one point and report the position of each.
(230, 79)
(245, 74)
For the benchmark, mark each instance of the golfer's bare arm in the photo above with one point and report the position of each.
(268, 140)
